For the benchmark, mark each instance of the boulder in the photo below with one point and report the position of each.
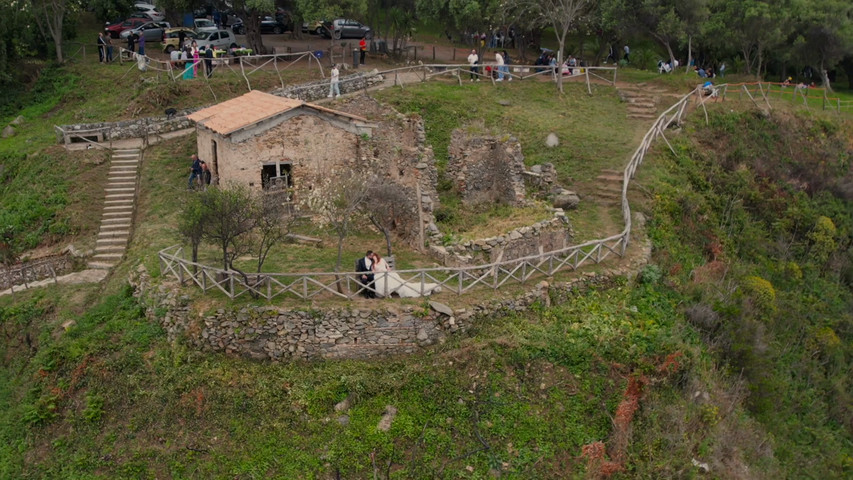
(18, 120)
(8, 132)
(552, 140)
(566, 200)
(387, 418)
(441, 308)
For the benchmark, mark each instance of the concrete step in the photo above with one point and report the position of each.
(119, 189)
(123, 169)
(100, 243)
(106, 249)
(610, 178)
(124, 160)
(113, 221)
(119, 208)
(122, 178)
(100, 265)
(119, 196)
(126, 150)
(107, 257)
(642, 116)
(114, 234)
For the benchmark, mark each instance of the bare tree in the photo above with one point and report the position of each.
(274, 223)
(386, 202)
(557, 14)
(50, 16)
(337, 204)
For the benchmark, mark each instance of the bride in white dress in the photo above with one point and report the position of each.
(385, 277)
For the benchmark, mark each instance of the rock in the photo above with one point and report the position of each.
(441, 308)
(7, 132)
(568, 201)
(702, 466)
(504, 103)
(536, 169)
(552, 140)
(18, 120)
(387, 418)
(69, 325)
(423, 335)
(343, 420)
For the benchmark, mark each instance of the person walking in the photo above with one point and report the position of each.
(627, 53)
(131, 44)
(333, 86)
(362, 47)
(473, 58)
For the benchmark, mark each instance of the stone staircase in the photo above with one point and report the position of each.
(642, 101)
(608, 188)
(119, 204)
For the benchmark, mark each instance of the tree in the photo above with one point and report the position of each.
(273, 223)
(661, 20)
(557, 14)
(385, 201)
(337, 204)
(252, 11)
(751, 27)
(825, 34)
(191, 223)
(50, 16)
(228, 214)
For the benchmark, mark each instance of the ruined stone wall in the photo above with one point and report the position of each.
(485, 169)
(544, 236)
(312, 91)
(136, 128)
(38, 269)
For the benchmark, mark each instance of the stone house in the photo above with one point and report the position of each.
(259, 140)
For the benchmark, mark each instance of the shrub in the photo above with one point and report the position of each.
(761, 293)
(823, 239)
(94, 408)
(651, 274)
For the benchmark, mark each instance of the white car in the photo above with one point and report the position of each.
(204, 25)
(151, 11)
(219, 39)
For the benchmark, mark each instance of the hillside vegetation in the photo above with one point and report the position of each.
(734, 346)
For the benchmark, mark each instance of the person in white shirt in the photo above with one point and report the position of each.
(499, 64)
(473, 59)
(333, 86)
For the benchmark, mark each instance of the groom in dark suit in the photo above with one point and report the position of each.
(364, 267)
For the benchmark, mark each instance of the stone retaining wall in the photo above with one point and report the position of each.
(540, 237)
(312, 91)
(34, 270)
(136, 128)
(284, 334)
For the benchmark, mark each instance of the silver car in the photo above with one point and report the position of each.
(153, 31)
(220, 39)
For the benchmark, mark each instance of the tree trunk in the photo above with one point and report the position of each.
(387, 234)
(689, 54)
(824, 77)
(338, 283)
(253, 33)
(560, 65)
(747, 59)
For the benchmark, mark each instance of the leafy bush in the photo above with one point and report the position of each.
(761, 293)
(651, 274)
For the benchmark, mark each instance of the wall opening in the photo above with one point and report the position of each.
(276, 175)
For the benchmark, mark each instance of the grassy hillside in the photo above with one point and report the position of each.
(736, 342)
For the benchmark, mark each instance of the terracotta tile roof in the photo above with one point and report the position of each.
(246, 110)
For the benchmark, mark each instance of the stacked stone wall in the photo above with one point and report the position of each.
(34, 270)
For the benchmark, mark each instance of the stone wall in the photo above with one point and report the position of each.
(540, 237)
(312, 91)
(485, 169)
(37, 269)
(136, 128)
(286, 334)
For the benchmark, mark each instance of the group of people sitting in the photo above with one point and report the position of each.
(571, 66)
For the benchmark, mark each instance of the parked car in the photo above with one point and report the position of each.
(152, 31)
(345, 28)
(204, 25)
(115, 29)
(314, 28)
(151, 11)
(221, 39)
(235, 23)
(171, 36)
(273, 25)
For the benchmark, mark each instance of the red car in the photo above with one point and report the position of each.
(115, 29)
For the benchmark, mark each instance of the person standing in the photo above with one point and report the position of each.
(627, 53)
(195, 171)
(362, 47)
(473, 58)
(141, 43)
(334, 88)
(109, 45)
(102, 47)
(364, 266)
(131, 44)
(208, 61)
(499, 65)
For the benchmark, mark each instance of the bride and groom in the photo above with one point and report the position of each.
(378, 279)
